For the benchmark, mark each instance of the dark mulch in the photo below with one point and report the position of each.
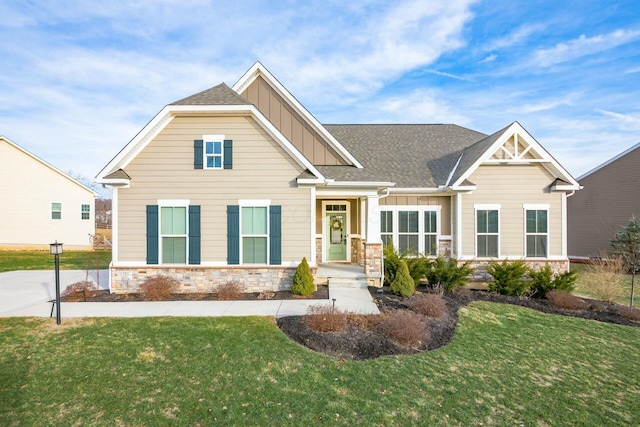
(360, 344)
(104, 296)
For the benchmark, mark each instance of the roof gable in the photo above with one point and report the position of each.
(217, 95)
(511, 145)
(259, 71)
(46, 164)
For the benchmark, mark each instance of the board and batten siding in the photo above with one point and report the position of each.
(443, 201)
(29, 188)
(291, 124)
(512, 187)
(261, 170)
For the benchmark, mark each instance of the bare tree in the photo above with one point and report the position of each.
(626, 244)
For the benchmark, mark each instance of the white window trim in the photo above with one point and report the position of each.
(536, 207)
(212, 138)
(51, 211)
(395, 209)
(254, 203)
(83, 212)
(173, 203)
(486, 207)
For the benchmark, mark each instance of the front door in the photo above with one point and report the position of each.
(336, 236)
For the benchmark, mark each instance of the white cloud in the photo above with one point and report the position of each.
(582, 46)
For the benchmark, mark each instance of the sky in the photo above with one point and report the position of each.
(79, 79)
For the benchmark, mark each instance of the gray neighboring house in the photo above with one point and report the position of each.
(610, 197)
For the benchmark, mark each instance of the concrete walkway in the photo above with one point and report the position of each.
(27, 293)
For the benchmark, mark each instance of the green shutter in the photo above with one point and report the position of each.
(194, 235)
(228, 154)
(275, 235)
(197, 154)
(152, 234)
(233, 234)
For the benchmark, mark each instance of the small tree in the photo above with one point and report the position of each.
(626, 244)
(302, 283)
(508, 278)
(448, 274)
(403, 284)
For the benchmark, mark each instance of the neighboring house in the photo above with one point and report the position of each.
(41, 204)
(611, 196)
(243, 182)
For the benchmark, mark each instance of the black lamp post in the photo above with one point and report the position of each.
(56, 250)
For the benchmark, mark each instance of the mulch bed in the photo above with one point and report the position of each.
(104, 296)
(358, 344)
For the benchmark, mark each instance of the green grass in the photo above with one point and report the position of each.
(43, 260)
(626, 292)
(507, 365)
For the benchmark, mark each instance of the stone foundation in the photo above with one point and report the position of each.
(373, 260)
(206, 279)
(480, 268)
(318, 250)
(357, 251)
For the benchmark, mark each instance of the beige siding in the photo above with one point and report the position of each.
(610, 197)
(28, 189)
(261, 170)
(443, 201)
(512, 187)
(291, 124)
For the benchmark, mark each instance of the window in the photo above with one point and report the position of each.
(173, 234)
(413, 230)
(430, 233)
(536, 232)
(85, 211)
(213, 154)
(487, 229)
(254, 235)
(386, 227)
(408, 233)
(56, 210)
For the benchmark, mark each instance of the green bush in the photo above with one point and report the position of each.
(402, 283)
(543, 281)
(417, 265)
(302, 283)
(447, 273)
(508, 277)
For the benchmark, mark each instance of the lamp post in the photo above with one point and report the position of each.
(56, 250)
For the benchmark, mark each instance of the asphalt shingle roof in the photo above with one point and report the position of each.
(217, 95)
(409, 155)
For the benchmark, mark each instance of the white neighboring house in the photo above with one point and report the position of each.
(40, 204)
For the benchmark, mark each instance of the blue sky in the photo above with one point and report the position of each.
(79, 79)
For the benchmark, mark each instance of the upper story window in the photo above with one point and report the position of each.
(213, 151)
(85, 211)
(56, 210)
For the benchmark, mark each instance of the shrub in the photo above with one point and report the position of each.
(266, 294)
(158, 288)
(603, 278)
(325, 319)
(563, 299)
(447, 273)
(630, 313)
(417, 265)
(429, 305)
(80, 291)
(543, 281)
(508, 277)
(405, 328)
(303, 280)
(403, 284)
(230, 291)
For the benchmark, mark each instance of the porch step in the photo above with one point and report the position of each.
(347, 283)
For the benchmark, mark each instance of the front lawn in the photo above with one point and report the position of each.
(506, 365)
(43, 260)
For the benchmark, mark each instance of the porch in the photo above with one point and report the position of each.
(345, 275)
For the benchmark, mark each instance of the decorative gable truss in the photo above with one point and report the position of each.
(512, 145)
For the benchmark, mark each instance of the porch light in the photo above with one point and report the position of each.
(56, 250)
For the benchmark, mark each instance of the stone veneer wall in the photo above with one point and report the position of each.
(357, 251)
(318, 250)
(206, 279)
(444, 248)
(373, 260)
(480, 268)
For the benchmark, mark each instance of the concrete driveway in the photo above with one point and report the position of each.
(26, 293)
